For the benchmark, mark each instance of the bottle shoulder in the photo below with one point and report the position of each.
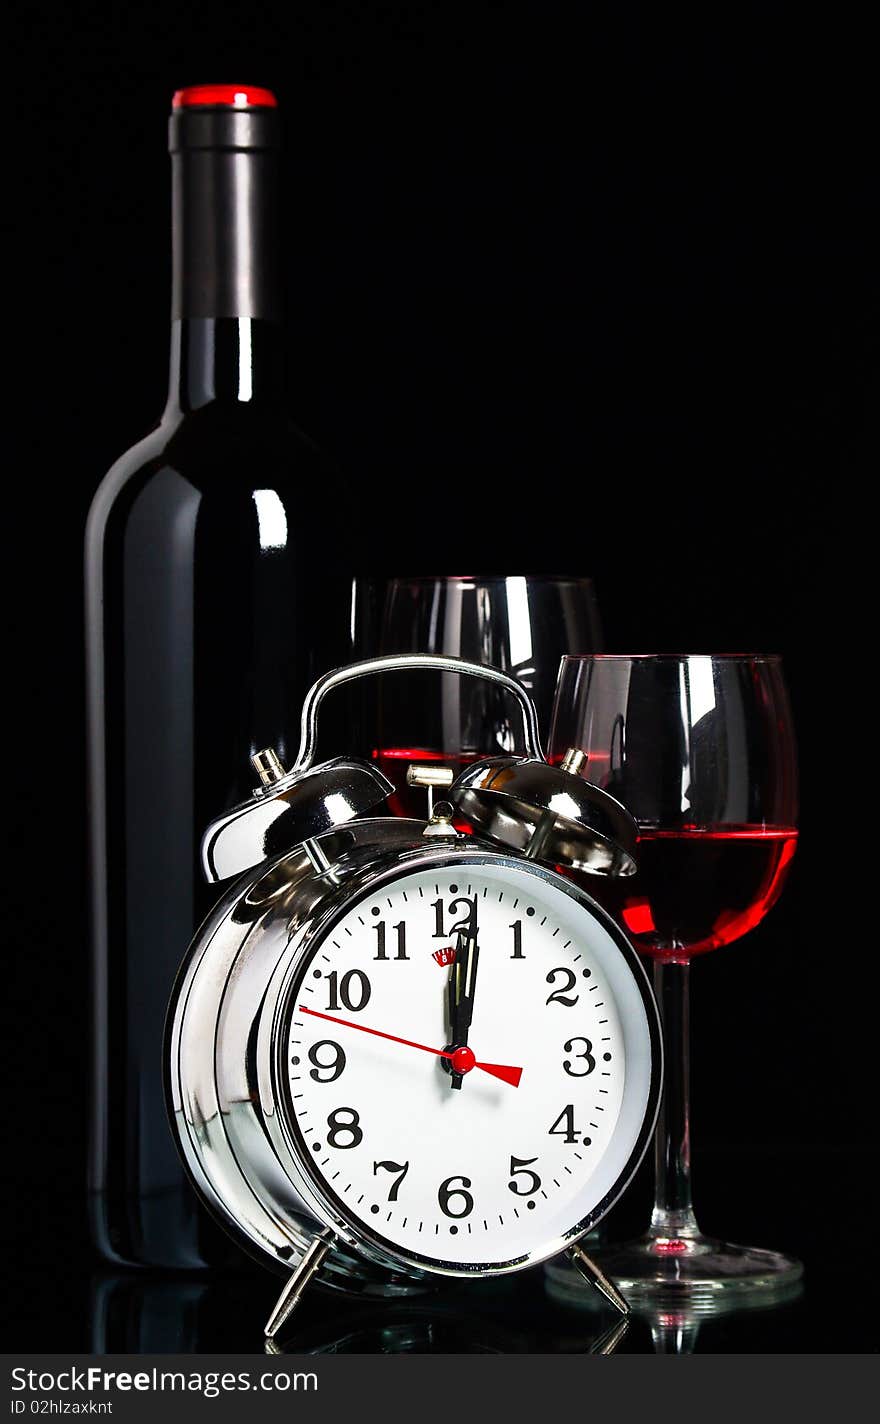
(222, 454)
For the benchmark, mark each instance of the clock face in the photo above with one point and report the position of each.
(540, 1109)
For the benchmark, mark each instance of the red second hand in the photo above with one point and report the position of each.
(462, 1059)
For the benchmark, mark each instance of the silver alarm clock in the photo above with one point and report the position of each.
(398, 1050)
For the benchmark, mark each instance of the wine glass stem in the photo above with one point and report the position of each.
(673, 1216)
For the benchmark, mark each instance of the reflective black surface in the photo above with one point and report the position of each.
(766, 1198)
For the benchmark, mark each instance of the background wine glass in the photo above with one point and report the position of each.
(700, 749)
(520, 623)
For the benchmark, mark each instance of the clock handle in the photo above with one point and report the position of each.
(408, 662)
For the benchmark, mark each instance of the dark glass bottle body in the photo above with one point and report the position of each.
(214, 598)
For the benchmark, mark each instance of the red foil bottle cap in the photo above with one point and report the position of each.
(224, 96)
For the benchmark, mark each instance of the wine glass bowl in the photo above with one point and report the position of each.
(521, 623)
(700, 750)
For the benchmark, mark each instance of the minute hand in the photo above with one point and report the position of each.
(462, 985)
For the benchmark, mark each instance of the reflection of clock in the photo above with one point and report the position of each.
(511, 1324)
(399, 1052)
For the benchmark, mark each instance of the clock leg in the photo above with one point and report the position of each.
(290, 1297)
(608, 1341)
(590, 1271)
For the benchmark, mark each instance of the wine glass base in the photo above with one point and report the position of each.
(697, 1272)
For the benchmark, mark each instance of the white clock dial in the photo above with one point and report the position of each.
(555, 1075)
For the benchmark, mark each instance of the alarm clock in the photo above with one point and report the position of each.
(402, 1050)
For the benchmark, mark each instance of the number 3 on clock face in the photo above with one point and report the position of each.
(486, 1153)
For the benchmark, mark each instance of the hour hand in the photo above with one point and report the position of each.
(460, 994)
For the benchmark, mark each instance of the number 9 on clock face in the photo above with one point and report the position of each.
(470, 1064)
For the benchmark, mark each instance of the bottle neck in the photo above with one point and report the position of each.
(226, 300)
(230, 359)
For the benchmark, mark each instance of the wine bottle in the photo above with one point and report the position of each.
(215, 594)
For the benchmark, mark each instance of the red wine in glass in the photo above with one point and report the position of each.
(698, 887)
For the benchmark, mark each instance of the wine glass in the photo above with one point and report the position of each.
(700, 750)
(522, 624)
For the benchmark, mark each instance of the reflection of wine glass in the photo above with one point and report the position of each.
(522, 624)
(675, 1326)
(700, 750)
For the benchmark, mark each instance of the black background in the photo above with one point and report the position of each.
(569, 290)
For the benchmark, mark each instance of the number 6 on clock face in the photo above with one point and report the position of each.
(557, 1066)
